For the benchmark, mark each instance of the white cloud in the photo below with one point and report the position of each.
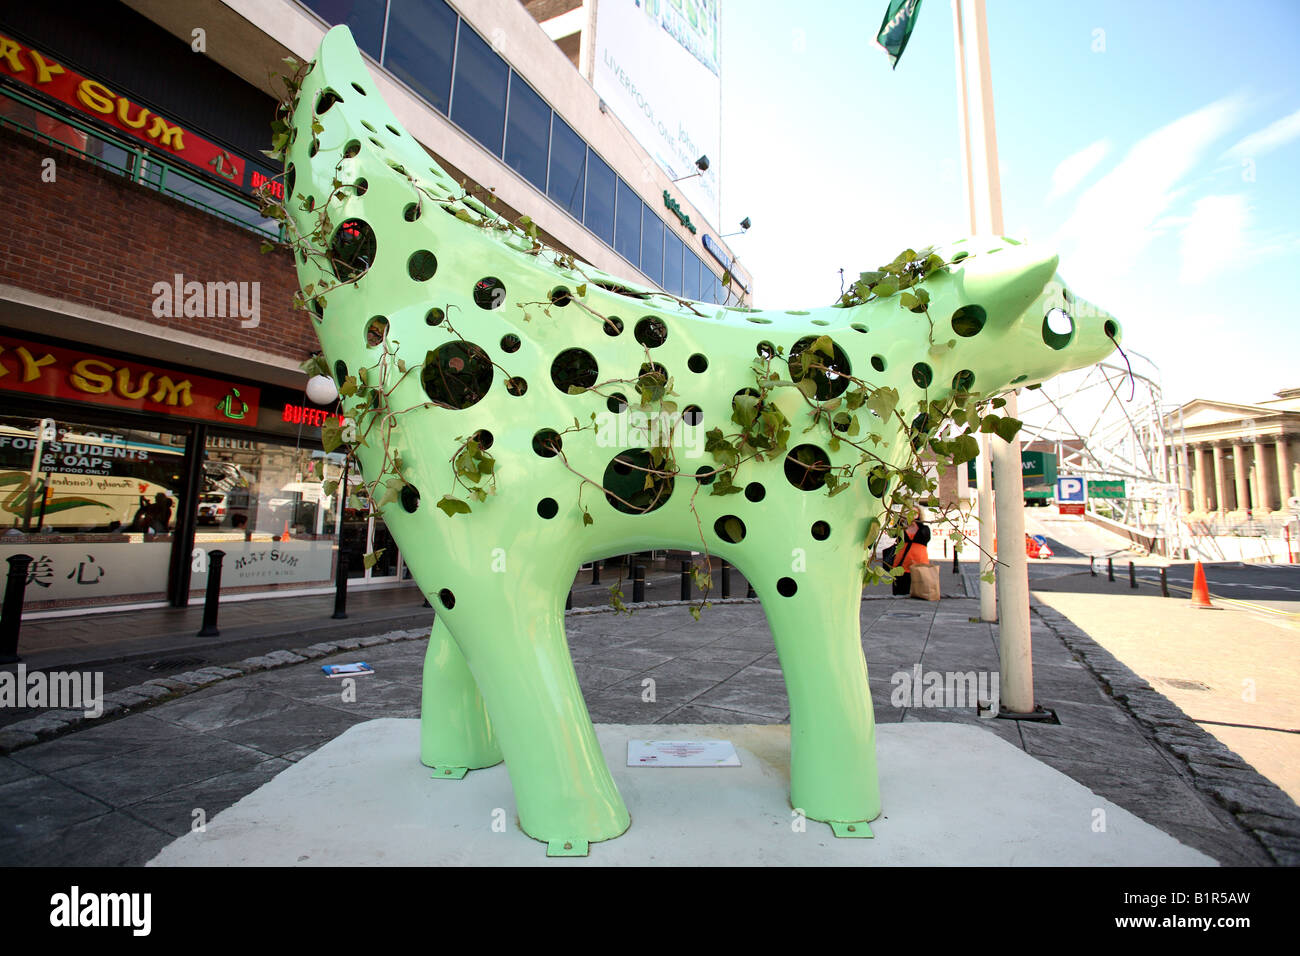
(1073, 169)
(1214, 237)
(1115, 218)
(1270, 137)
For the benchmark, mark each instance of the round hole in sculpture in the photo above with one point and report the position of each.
(318, 308)
(560, 296)
(821, 530)
(352, 249)
(392, 129)
(574, 368)
(351, 149)
(613, 325)
(376, 142)
(651, 332)
(547, 508)
(447, 598)
(692, 415)
(878, 362)
(362, 185)
(422, 265)
(489, 292)
(963, 381)
(922, 375)
(878, 481)
(842, 421)
(484, 438)
(516, 386)
(806, 467)
(832, 379)
(410, 498)
(859, 327)
(1111, 329)
(652, 378)
(968, 320)
(358, 88)
(369, 127)
(765, 350)
(705, 475)
(325, 100)
(376, 329)
(313, 148)
(1058, 329)
(730, 529)
(340, 371)
(434, 316)
(457, 375)
(617, 403)
(1018, 379)
(786, 587)
(758, 320)
(697, 363)
(289, 175)
(625, 485)
(411, 212)
(547, 443)
(509, 343)
(755, 491)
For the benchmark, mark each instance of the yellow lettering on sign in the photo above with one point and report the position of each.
(32, 366)
(172, 392)
(124, 107)
(124, 384)
(85, 380)
(171, 135)
(95, 96)
(9, 53)
(45, 69)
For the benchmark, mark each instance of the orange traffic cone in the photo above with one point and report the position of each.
(1200, 591)
(285, 536)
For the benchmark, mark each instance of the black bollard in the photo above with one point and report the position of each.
(1132, 576)
(1092, 565)
(638, 582)
(1110, 569)
(955, 568)
(11, 614)
(726, 580)
(595, 572)
(341, 588)
(213, 595)
(945, 548)
(686, 580)
(1164, 583)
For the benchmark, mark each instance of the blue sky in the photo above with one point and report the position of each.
(1160, 157)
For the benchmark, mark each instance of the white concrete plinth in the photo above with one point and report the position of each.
(953, 795)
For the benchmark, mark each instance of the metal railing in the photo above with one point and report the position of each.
(143, 166)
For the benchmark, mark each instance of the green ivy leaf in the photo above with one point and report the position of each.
(370, 559)
(1007, 428)
(453, 506)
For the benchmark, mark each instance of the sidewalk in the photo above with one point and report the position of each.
(120, 790)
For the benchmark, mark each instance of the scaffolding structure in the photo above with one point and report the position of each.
(1108, 422)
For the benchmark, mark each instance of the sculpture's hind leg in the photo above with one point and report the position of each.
(832, 727)
(454, 726)
(514, 644)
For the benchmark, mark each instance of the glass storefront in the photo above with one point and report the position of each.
(94, 507)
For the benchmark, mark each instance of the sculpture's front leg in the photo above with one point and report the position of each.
(454, 727)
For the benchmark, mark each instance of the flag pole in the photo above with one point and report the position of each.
(984, 187)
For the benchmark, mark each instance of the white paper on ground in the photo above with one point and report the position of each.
(682, 753)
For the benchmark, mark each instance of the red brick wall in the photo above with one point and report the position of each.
(95, 238)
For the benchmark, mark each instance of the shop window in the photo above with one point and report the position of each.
(568, 174)
(528, 132)
(673, 249)
(599, 211)
(421, 40)
(478, 101)
(652, 246)
(690, 276)
(365, 18)
(627, 224)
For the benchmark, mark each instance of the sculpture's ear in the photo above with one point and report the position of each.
(1004, 283)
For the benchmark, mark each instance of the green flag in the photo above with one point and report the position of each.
(896, 28)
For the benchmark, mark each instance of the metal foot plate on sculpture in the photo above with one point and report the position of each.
(860, 830)
(568, 848)
(450, 773)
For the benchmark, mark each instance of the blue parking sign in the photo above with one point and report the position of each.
(1071, 491)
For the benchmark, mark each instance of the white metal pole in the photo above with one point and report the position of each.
(1015, 650)
(988, 593)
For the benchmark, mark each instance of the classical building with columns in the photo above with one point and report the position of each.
(1237, 461)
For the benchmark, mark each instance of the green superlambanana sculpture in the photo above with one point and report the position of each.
(460, 334)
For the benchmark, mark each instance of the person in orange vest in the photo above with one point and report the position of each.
(909, 551)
